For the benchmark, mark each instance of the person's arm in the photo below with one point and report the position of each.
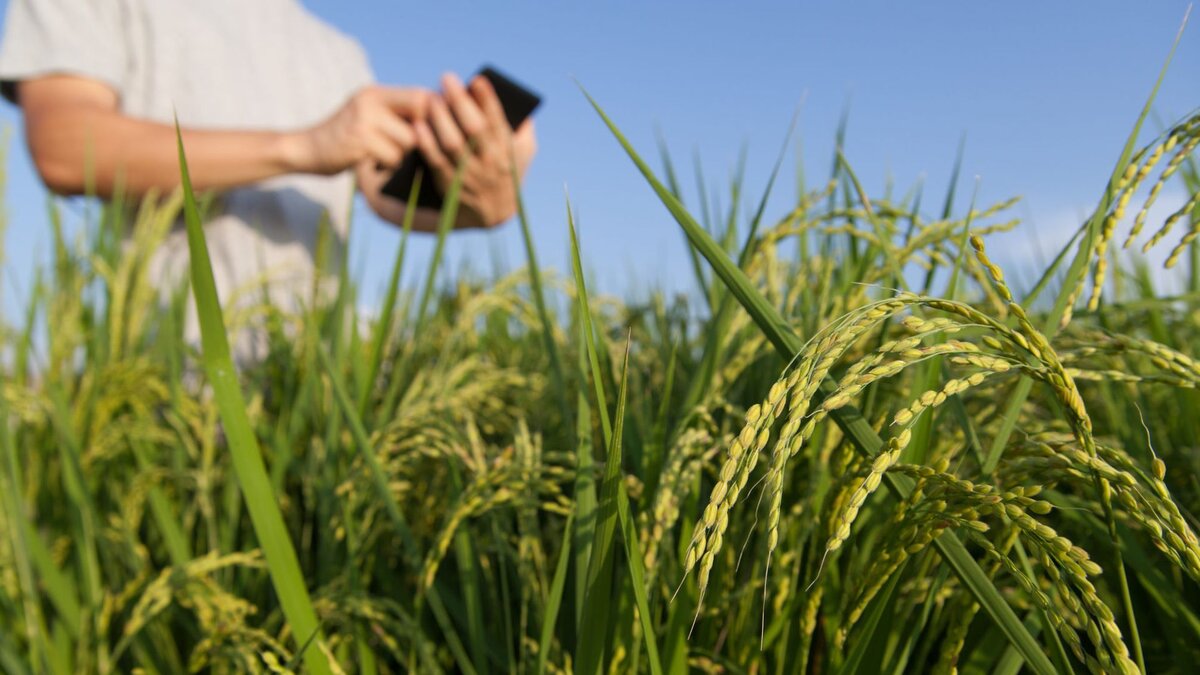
(468, 123)
(79, 140)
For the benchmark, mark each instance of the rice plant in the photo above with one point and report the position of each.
(866, 450)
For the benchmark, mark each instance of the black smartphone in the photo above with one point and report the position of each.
(518, 103)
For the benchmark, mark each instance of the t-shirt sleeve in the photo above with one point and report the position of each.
(74, 37)
(358, 72)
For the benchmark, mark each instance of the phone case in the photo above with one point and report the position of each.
(518, 103)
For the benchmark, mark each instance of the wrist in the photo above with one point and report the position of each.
(293, 152)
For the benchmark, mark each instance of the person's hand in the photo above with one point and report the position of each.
(471, 125)
(375, 125)
(371, 178)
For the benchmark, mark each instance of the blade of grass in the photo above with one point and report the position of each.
(866, 638)
(248, 465)
(468, 582)
(539, 300)
(707, 210)
(673, 184)
(367, 663)
(585, 486)
(839, 144)
(553, 600)
(652, 462)
(637, 574)
(160, 507)
(729, 235)
(1009, 662)
(10, 660)
(903, 653)
(585, 315)
(84, 515)
(60, 587)
(756, 220)
(383, 328)
(10, 482)
(445, 223)
(702, 192)
(597, 604)
(885, 238)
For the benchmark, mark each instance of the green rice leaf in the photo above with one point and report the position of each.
(558, 380)
(383, 328)
(589, 333)
(555, 596)
(637, 578)
(248, 465)
(598, 603)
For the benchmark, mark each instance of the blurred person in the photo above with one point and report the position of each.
(278, 112)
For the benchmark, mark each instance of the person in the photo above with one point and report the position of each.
(279, 115)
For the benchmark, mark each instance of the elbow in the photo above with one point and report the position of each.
(61, 175)
(58, 153)
(64, 126)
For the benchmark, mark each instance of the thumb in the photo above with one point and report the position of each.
(369, 176)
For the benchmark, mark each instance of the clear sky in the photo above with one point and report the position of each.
(1044, 92)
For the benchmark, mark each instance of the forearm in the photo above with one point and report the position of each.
(82, 149)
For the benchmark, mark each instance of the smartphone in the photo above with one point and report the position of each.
(518, 103)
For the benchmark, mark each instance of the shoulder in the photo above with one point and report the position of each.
(338, 45)
(75, 37)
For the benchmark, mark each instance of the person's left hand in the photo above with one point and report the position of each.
(470, 125)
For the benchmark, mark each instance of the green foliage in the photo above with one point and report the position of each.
(809, 472)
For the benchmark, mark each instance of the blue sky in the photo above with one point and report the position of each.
(1045, 94)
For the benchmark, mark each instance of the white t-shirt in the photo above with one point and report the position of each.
(218, 64)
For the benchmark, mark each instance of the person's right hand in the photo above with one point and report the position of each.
(375, 124)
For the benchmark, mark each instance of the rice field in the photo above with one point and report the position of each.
(855, 449)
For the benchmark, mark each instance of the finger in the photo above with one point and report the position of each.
(439, 163)
(449, 136)
(384, 150)
(500, 146)
(471, 119)
(398, 130)
(524, 145)
(485, 95)
(408, 101)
